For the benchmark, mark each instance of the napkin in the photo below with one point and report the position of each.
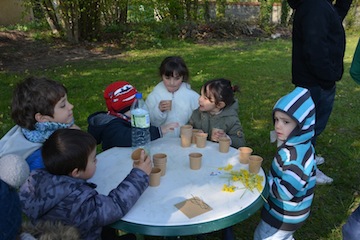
(193, 207)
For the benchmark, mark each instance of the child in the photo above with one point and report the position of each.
(175, 87)
(113, 128)
(219, 109)
(39, 107)
(61, 193)
(292, 177)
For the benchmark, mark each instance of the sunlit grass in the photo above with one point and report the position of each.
(262, 70)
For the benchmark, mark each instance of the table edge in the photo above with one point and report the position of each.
(183, 230)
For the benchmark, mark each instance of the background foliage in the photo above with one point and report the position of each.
(79, 20)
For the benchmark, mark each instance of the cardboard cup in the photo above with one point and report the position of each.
(135, 156)
(255, 162)
(194, 132)
(213, 132)
(244, 154)
(160, 160)
(186, 135)
(224, 144)
(170, 103)
(201, 140)
(155, 177)
(195, 160)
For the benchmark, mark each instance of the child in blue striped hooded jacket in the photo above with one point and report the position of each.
(292, 177)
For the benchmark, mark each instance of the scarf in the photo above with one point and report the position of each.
(43, 130)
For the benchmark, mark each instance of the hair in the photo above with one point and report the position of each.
(67, 149)
(174, 64)
(35, 95)
(221, 89)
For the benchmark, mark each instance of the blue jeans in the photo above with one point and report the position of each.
(266, 232)
(324, 102)
(351, 229)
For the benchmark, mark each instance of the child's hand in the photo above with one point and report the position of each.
(165, 105)
(216, 134)
(144, 163)
(169, 127)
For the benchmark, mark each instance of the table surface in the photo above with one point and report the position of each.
(155, 212)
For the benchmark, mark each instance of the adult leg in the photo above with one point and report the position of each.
(324, 102)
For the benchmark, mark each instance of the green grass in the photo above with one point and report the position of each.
(262, 70)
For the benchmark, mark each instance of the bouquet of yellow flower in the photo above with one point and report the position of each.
(250, 181)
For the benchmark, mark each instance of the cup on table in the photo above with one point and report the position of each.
(135, 156)
(186, 135)
(224, 144)
(194, 132)
(201, 139)
(255, 162)
(195, 160)
(160, 160)
(244, 154)
(215, 133)
(155, 177)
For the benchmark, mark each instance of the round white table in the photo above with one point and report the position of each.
(155, 212)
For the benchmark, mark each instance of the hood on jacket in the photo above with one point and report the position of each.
(299, 105)
(49, 230)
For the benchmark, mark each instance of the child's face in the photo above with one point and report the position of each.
(62, 111)
(90, 167)
(207, 103)
(284, 125)
(172, 83)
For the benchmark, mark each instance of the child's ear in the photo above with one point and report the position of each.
(41, 118)
(221, 105)
(75, 173)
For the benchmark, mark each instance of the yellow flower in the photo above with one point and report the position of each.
(228, 188)
(250, 181)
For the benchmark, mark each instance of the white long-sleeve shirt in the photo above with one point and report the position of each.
(184, 102)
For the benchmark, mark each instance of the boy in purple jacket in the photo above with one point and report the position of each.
(61, 193)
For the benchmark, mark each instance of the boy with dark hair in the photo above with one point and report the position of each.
(39, 107)
(61, 191)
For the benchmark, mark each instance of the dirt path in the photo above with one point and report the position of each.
(18, 52)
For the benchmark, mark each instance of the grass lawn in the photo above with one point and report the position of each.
(262, 70)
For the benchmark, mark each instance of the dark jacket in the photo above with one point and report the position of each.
(10, 212)
(228, 120)
(75, 202)
(112, 131)
(318, 42)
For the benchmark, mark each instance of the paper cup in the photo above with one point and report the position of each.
(170, 103)
(201, 140)
(213, 132)
(224, 144)
(244, 154)
(155, 177)
(195, 160)
(160, 160)
(186, 135)
(194, 132)
(135, 156)
(255, 162)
